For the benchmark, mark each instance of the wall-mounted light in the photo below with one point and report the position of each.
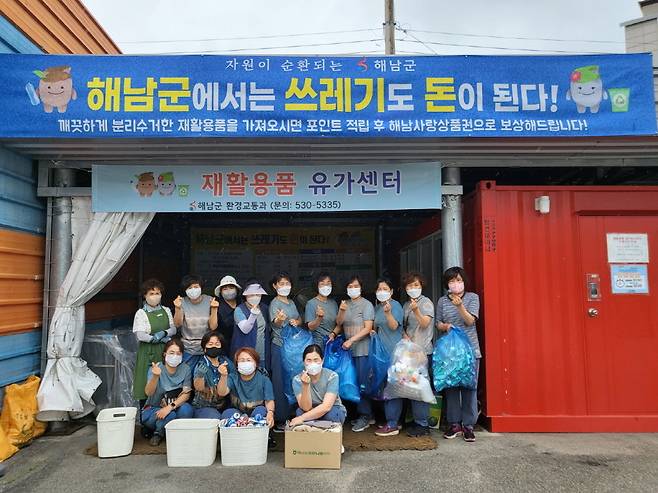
(543, 204)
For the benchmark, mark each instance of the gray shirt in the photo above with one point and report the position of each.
(356, 314)
(328, 322)
(291, 314)
(328, 382)
(195, 323)
(422, 337)
(448, 313)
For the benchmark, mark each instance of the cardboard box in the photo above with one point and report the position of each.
(313, 449)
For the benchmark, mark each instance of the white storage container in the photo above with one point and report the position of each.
(191, 442)
(115, 428)
(244, 446)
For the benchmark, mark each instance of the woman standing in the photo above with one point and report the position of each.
(282, 312)
(153, 326)
(195, 314)
(460, 309)
(251, 323)
(355, 319)
(388, 324)
(168, 388)
(321, 311)
(418, 327)
(213, 369)
(227, 293)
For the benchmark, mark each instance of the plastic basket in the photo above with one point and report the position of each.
(244, 446)
(115, 429)
(191, 442)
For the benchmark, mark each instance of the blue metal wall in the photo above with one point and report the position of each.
(20, 210)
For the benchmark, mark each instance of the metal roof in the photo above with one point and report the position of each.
(481, 152)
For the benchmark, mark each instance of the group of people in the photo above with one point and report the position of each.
(217, 356)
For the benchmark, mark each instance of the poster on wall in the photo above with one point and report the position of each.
(629, 279)
(628, 248)
(303, 252)
(266, 188)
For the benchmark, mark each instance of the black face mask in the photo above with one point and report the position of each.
(213, 352)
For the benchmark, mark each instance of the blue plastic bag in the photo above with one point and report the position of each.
(454, 361)
(379, 360)
(295, 340)
(340, 360)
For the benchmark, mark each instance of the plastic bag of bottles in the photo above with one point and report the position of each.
(340, 360)
(295, 340)
(454, 361)
(408, 375)
(379, 360)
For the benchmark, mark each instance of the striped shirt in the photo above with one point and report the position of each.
(448, 313)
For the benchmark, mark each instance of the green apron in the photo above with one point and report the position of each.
(148, 352)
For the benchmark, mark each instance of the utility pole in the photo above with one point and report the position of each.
(389, 28)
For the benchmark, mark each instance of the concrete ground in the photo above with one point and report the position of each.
(496, 462)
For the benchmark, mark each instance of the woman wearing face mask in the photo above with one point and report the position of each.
(355, 320)
(460, 309)
(153, 326)
(418, 327)
(316, 390)
(282, 312)
(252, 323)
(388, 324)
(168, 388)
(227, 294)
(195, 314)
(210, 378)
(251, 389)
(320, 312)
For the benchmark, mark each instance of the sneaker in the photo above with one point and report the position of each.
(418, 431)
(355, 421)
(387, 431)
(469, 435)
(279, 428)
(453, 432)
(271, 443)
(361, 424)
(155, 440)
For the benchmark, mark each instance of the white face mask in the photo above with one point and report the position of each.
(174, 360)
(193, 293)
(324, 290)
(383, 296)
(353, 292)
(229, 294)
(414, 293)
(246, 367)
(283, 291)
(313, 368)
(153, 299)
(253, 300)
(456, 287)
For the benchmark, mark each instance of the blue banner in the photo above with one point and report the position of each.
(82, 96)
(295, 188)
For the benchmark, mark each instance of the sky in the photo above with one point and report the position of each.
(354, 27)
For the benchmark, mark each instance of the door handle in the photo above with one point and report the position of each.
(592, 312)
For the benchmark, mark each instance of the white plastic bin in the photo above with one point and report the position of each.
(191, 442)
(115, 428)
(244, 446)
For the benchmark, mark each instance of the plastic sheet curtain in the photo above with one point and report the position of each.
(102, 243)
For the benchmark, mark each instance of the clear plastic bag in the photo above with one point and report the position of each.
(340, 360)
(379, 360)
(295, 340)
(454, 361)
(407, 375)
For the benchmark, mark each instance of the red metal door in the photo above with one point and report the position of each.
(621, 330)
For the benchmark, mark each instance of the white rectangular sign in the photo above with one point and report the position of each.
(628, 248)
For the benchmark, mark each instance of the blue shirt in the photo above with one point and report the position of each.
(290, 309)
(388, 337)
(328, 322)
(247, 394)
(210, 374)
(180, 379)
